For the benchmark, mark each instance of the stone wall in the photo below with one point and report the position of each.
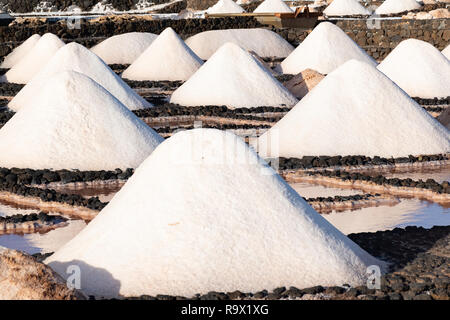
(377, 40)
(200, 4)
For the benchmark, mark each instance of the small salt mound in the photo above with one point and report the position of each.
(273, 6)
(446, 52)
(225, 6)
(346, 8)
(264, 43)
(74, 123)
(24, 70)
(323, 50)
(355, 110)
(418, 68)
(234, 78)
(167, 58)
(74, 56)
(181, 226)
(18, 53)
(124, 48)
(397, 6)
(303, 82)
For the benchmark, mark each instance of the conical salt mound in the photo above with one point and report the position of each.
(180, 226)
(24, 70)
(418, 68)
(355, 110)
(346, 8)
(234, 78)
(397, 6)
(21, 51)
(323, 50)
(446, 52)
(75, 57)
(167, 58)
(74, 123)
(263, 42)
(124, 48)
(225, 6)
(273, 6)
(444, 118)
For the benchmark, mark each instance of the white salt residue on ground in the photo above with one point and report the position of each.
(446, 52)
(418, 68)
(74, 56)
(234, 78)
(197, 232)
(263, 42)
(123, 48)
(18, 53)
(323, 50)
(397, 6)
(74, 123)
(225, 6)
(356, 110)
(43, 242)
(7, 210)
(273, 6)
(167, 58)
(346, 8)
(24, 70)
(409, 212)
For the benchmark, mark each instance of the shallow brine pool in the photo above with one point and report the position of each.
(408, 212)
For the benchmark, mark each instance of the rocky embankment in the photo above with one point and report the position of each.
(22, 277)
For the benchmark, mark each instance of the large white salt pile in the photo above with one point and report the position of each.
(123, 48)
(397, 6)
(272, 6)
(30, 64)
(75, 57)
(446, 52)
(234, 78)
(167, 58)
(323, 50)
(355, 110)
(263, 42)
(74, 123)
(18, 53)
(225, 6)
(418, 68)
(346, 8)
(181, 226)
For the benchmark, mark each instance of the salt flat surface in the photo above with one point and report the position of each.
(124, 48)
(195, 232)
(323, 50)
(263, 42)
